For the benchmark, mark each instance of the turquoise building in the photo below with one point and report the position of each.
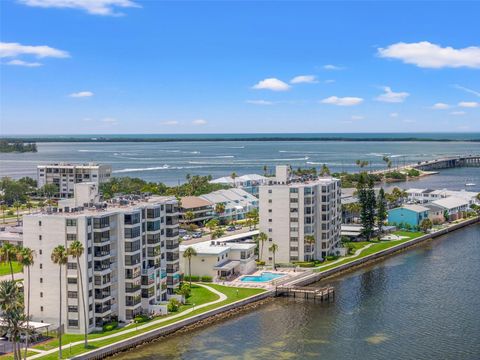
(408, 214)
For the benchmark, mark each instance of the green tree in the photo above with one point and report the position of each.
(185, 290)
(220, 208)
(265, 170)
(49, 190)
(173, 305)
(361, 163)
(366, 197)
(381, 211)
(13, 316)
(234, 176)
(273, 249)
(4, 208)
(25, 256)
(8, 254)
(310, 241)
(76, 250)
(446, 215)
(187, 254)
(324, 171)
(211, 224)
(262, 237)
(59, 256)
(17, 205)
(217, 233)
(189, 216)
(426, 225)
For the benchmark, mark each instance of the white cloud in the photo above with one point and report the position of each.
(330, 81)
(342, 101)
(199, 122)
(271, 84)
(470, 91)
(392, 97)
(427, 55)
(332, 67)
(458, 113)
(12, 50)
(304, 79)
(409, 121)
(170, 122)
(110, 121)
(468, 104)
(358, 117)
(440, 106)
(17, 62)
(94, 7)
(394, 114)
(259, 102)
(81, 94)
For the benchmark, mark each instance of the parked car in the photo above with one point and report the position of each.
(186, 237)
(182, 232)
(231, 228)
(197, 235)
(238, 227)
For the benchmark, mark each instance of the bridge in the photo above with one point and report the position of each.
(437, 164)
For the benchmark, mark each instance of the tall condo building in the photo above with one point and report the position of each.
(65, 176)
(130, 264)
(302, 216)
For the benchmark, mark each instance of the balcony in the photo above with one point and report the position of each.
(172, 257)
(172, 244)
(102, 310)
(132, 289)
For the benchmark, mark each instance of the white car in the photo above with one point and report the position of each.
(186, 237)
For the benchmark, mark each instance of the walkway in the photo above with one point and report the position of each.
(131, 329)
(343, 258)
(16, 276)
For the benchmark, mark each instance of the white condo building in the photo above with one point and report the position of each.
(65, 176)
(293, 211)
(130, 263)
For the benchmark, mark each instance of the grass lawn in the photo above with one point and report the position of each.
(232, 296)
(10, 356)
(376, 247)
(5, 268)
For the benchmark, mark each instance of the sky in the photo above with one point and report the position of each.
(128, 66)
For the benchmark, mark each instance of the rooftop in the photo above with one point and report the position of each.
(416, 208)
(451, 202)
(192, 202)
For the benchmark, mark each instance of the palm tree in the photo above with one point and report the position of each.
(273, 248)
(11, 305)
(324, 171)
(265, 170)
(29, 206)
(189, 216)
(262, 237)
(25, 257)
(233, 176)
(17, 205)
(220, 208)
(188, 253)
(310, 240)
(8, 253)
(76, 250)
(4, 208)
(60, 257)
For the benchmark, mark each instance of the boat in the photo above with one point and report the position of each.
(470, 184)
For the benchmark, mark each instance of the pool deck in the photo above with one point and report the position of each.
(288, 274)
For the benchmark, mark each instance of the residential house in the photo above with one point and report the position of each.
(412, 215)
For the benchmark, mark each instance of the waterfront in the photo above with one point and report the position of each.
(420, 304)
(170, 162)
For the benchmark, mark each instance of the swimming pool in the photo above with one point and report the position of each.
(263, 277)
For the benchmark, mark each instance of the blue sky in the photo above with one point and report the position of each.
(124, 66)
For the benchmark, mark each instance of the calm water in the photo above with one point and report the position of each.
(170, 162)
(421, 304)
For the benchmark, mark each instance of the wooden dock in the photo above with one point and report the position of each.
(323, 294)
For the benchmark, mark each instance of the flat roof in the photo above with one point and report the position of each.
(192, 202)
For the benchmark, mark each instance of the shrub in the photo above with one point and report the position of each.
(331, 257)
(173, 305)
(184, 290)
(141, 318)
(110, 326)
(206, 279)
(10, 213)
(191, 278)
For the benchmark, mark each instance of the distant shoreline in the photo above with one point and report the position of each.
(213, 138)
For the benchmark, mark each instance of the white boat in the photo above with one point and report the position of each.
(470, 184)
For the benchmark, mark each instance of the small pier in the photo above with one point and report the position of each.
(322, 294)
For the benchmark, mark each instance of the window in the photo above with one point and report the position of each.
(41, 266)
(132, 232)
(41, 308)
(40, 252)
(72, 322)
(293, 191)
(72, 308)
(71, 237)
(71, 266)
(41, 280)
(41, 294)
(39, 237)
(72, 294)
(99, 223)
(131, 219)
(72, 280)
(71, 222)
(39, 223)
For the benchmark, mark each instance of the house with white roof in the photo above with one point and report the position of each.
(219, 259)
(248, 182)
(455, 206)
(424, 196)
(237, 203)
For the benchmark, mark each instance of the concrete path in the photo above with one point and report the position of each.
(358, 252)
(131, 329)
(16, 276)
